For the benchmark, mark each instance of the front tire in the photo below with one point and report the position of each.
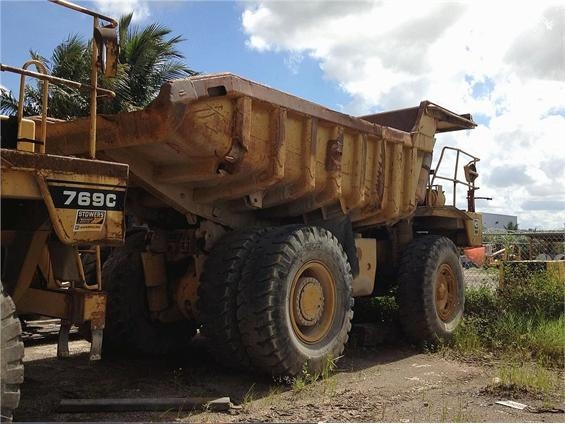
(295, 304)
(431, 294)
(12, 357)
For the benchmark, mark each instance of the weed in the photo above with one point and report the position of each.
(467, 339)
(383, 309)
(328, 367)
(534, 379)
(461, 415)
(249, 397)
(532, 293)
(521, 325)
(524, 319)
(450, 413)
(426, 404)
(304, 379)
(298, 384)
(330, 386)
(548, 338)
(481, 301)
(270, 398)
(444, 412)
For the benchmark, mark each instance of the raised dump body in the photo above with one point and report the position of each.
(235, 152)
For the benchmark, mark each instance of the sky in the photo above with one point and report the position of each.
(501, 61)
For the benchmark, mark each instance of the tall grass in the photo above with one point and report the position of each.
(532, 378)
(525, 320)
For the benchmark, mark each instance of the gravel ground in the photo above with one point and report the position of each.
(386, 382)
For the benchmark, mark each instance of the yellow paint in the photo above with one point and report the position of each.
(19, 184)
(27, 130)
(223, 148)
(364, 283)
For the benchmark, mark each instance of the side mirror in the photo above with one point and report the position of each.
(471, 173)
(106, 39)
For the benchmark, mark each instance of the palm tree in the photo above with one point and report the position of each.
(147, 59)
(70, 60)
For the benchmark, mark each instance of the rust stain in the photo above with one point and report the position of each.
(395, 135)
(334, 154)
(231, 162)
(379, 176)
(175, 147)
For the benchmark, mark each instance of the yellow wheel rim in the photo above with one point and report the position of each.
(312, 302)
(446, 295)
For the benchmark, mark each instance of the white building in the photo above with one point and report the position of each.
(497, 221)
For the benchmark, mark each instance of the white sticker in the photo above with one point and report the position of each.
(88, 220)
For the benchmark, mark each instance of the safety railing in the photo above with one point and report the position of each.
(469, 169)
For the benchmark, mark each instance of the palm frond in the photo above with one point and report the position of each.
(149, 56)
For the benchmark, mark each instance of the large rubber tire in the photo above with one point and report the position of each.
(431, 293)
(295, 304)
(129, 326)
(12, 357)
(218, 295)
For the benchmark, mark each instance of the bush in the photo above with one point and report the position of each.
(376, 309)
(536, 294)
(481, 302)
(524, 320)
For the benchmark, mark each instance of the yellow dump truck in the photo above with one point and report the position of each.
(52, 206)
(258, 216)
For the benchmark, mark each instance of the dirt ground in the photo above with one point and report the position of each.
(388, 382)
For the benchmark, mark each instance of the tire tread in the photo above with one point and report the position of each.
(260, 313)
(415, 297)
(12, 358)
(218, 295)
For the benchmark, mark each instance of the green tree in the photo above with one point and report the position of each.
(511, 226)
(70, 60)
(148, 58)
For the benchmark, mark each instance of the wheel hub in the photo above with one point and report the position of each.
(312, 302)
(309, 302)
(446, 303)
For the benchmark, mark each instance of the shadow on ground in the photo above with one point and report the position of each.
(191, 373)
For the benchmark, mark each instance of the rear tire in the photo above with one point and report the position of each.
(12, 357)
(129, 326)
(431, 293)
(218, 295)
(295, 304)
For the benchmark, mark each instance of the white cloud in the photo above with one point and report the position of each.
(509, 175)
(117, 8)
(293, 61)
(503, 62)
(538, 52)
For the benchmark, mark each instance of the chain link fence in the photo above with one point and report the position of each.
(522, 252)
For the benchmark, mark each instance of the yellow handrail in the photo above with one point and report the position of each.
(20, 115)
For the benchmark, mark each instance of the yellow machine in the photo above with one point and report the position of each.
(261, 215)
(55, 208)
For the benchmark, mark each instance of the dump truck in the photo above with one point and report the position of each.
(55, 210)
(257, 217)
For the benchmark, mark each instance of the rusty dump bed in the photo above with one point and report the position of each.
(235, 151)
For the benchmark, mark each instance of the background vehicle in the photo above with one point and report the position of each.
(51, 206)
(260, 216)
